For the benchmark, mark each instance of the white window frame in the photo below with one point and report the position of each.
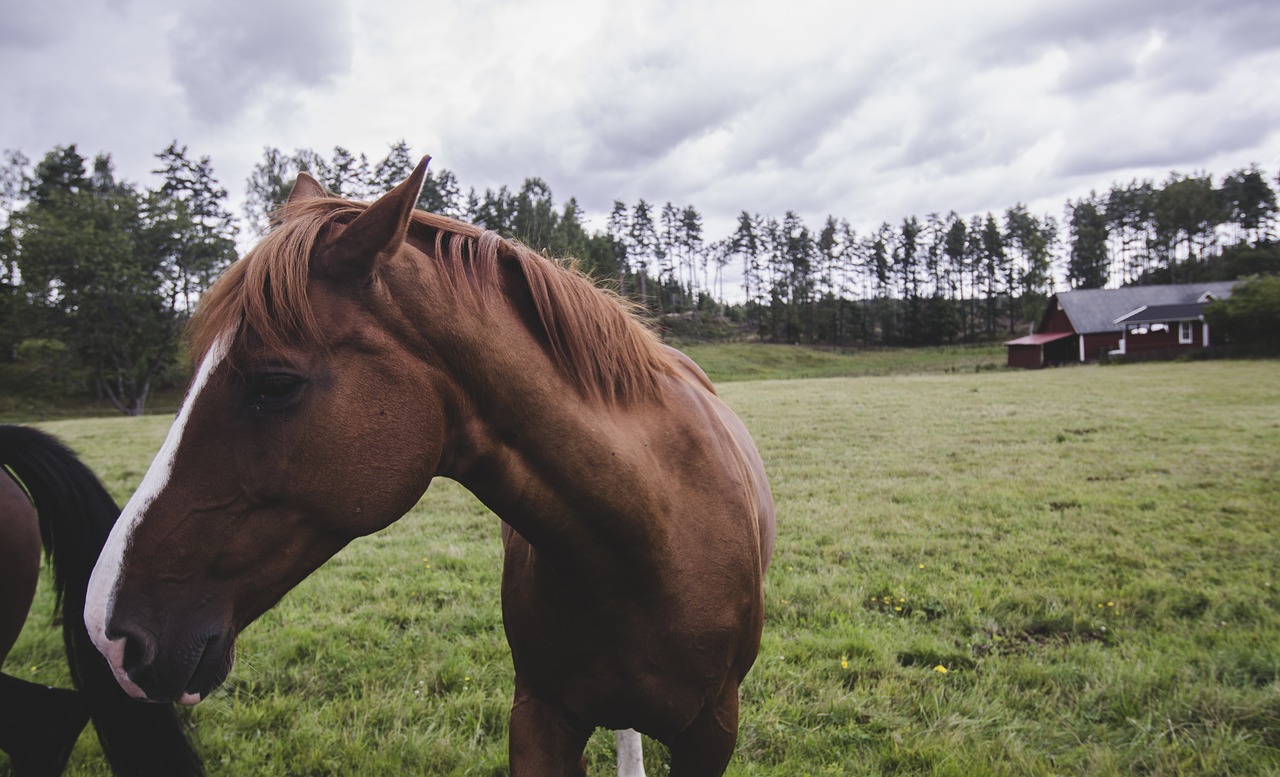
(1186, 335)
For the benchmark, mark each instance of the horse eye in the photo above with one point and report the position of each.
(274, 391)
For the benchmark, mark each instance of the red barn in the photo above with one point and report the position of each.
(1081, 325)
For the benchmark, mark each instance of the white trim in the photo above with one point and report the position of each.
(1131, 313)
(1185, 326)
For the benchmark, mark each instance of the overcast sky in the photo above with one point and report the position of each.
(868, 111)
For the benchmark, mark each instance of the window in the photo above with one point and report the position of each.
(1184, 332)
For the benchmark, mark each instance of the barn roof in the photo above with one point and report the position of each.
(1096, 310)
(1148, 314)
(1039, 338)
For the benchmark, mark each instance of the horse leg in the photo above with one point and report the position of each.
(39, 725)
(630, 753)
(705, 747)
(544, 741)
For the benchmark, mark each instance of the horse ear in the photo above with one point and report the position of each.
(305, 188)
(375, 233)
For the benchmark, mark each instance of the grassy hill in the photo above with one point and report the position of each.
(33, 393)
(725, 362)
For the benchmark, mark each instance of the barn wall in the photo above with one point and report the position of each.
(1099, 343)
(1152, 341)
(1026, 356)
(1166, 341)
(1057, 321)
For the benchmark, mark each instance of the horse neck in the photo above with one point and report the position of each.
(546, 459)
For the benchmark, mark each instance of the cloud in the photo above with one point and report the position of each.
(1177, 45)
(35, 25)
(1147, 142)
(870, 112)
(228, 53)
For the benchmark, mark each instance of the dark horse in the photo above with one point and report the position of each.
(357, 352)
(66, 509)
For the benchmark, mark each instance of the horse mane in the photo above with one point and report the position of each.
(592, 333)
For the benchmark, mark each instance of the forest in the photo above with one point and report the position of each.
(98, 275)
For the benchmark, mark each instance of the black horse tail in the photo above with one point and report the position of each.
(76, 515)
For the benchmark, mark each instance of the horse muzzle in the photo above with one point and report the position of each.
(184, 670)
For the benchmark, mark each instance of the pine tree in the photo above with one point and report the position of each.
(348, 175)
(1087, 264)
(188, 226)
(533, 216)
(667, 250)
(745, 243)
(1030, 241)
(692, 248)
(618, 228)
(396, 166)
(1187, 213)
(642, 245)
(83, 263)
(1251, 203)
(441, 194)
(268, 187)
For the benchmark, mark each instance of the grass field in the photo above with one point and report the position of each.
(991, 573)
(771, 361)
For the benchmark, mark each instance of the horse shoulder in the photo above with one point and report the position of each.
(739, 457)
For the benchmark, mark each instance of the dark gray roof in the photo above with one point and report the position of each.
(1096, 310)
(1149, 314)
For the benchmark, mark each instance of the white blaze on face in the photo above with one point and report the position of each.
(104, 581)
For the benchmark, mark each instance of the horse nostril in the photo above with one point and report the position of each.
(139, 650)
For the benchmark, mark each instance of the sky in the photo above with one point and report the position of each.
(866, 111)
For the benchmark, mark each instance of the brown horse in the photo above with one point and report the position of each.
(53, 500)
(357, 352)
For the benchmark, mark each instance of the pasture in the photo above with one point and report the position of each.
(1066, 571)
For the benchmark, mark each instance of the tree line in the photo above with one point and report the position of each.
(931, 280)
(100, 274)
(97, 275)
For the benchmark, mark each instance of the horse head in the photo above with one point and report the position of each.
(306, 425)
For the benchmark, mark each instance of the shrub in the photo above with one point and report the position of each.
(1251, 315)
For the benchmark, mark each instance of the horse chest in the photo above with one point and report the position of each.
(643, 660)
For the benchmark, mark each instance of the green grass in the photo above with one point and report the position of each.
(1090, 553)
(725, 362)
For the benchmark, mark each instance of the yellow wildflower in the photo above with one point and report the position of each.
(940, 669)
